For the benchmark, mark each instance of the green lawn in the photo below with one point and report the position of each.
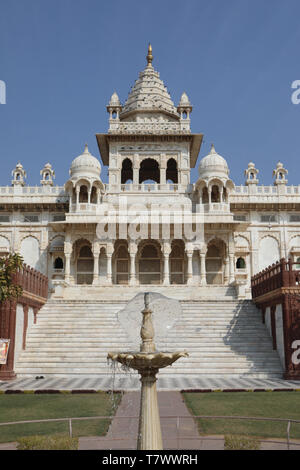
(22, 407)
(256, 404)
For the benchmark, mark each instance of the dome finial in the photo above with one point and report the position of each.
(149, 55)
(212, 149)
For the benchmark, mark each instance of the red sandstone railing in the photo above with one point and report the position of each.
(32, 281)
(277, 275)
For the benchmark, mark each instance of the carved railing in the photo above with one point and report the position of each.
(32, 281)
(280, 274)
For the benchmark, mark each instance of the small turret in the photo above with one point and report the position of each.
(48, 175)
(19, 175)
(279, 173)
(184, 108)
(251, 174)
(114, 107)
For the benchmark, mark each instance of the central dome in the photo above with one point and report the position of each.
(213, 165)
(85, 165)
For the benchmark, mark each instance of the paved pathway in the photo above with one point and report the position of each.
(176, 435)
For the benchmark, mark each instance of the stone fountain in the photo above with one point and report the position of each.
(147, 362)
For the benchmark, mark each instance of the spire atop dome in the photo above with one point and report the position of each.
(149, 56)
(212, 150)
(86, 149)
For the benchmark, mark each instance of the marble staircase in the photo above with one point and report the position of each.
(224, 337)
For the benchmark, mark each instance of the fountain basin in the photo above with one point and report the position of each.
(141, 361)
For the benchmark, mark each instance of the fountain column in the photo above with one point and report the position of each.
(149, 436)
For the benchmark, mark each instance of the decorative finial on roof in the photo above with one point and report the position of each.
(149, 55)
(86, 149)
(212, 150)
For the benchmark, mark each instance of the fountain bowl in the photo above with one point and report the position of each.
(146, 360)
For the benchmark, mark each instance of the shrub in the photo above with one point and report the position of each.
(48, 443)
(240, 443)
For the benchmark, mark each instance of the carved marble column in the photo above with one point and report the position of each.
(166, 254)
(77, 198)
(132, 254)
(109, 253)
(96, 253)
(203, 269)
(226, 270)
(189, 254)
(231, 268)
(67, 253)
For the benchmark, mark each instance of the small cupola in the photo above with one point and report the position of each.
(19, 175)
(213, 165)
(251, 174)
(280, 174)
(114, 107)
(184, 108)
(48, 175)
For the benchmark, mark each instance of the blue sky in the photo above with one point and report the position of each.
(236, 59)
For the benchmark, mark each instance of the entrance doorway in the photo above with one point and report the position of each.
(85, 265)
(215, 262)
(150, 265)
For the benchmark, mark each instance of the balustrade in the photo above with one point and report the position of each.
(32, 281)
(280, 274)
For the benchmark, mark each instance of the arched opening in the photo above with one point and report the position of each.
(150, 264)
(205, 198)
(122, 265)
(240, 263)
(83, 194)
(149, 171)
(215, 194)
(177, 263)
(58, 263)
(94, 195)
(172, 173)
(85, 265)
(127, 171)
(215, 262)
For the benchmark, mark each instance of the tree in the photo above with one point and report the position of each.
(9, 265)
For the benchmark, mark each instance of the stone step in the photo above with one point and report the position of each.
(222, 337)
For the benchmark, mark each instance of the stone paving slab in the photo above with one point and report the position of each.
(128, 382)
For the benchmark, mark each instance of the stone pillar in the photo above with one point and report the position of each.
(67, 266)
(203, 269)
(163, 176)
(109, 253)
(98, 196)
(132, 253)
(77, 197)
(209, 195)
(231, 268)
(226, 271)
(166, 253)
(136, 168)
(89, 195)
(190, 267)
(96, 253)
(149, 434)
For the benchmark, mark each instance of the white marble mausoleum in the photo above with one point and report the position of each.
(150, 228)
(150, 149)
